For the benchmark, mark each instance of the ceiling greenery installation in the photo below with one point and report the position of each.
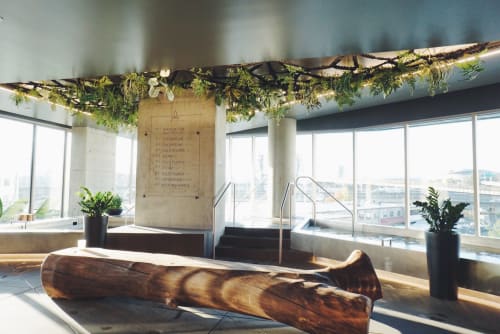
(271, 87)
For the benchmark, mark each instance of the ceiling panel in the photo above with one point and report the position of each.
(50, 39)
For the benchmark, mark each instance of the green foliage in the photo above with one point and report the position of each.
(270, 87)
(441, 218)
(347, 89)
(94, 204)
(200, 85)
(19, 97)
(43, 210)
(436, 77)
(470, 69)
(385, 83)
(14, 209)
(1, 208)
(116, 202)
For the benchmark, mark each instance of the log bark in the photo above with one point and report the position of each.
(331, 300)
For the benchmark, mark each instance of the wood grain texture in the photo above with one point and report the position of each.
(331, 300)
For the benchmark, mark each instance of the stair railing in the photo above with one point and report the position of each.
(288, 190)
(327, 192)
(216, 201)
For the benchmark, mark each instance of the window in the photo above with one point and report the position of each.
(125, 171)
(381, 177)
(261, 180)
(48, 172)
(488, 165)
(15, 169)
(32, 170)
(440, 155)
(333, 167)
(304, 155)
(242, 174)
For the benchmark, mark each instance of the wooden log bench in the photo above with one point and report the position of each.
(330, 300)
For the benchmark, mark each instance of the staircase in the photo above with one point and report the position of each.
(257, 245)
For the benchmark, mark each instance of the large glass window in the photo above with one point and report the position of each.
(242, 174)
(380, 177)
(48, 173)
(125, 171)
(440, 155)
(488, 165)
(333, 167)
(304, 155)
(15, 167)
(261, 180)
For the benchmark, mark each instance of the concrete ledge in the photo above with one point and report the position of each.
(8, 259)
(475, 275)
(37, 241)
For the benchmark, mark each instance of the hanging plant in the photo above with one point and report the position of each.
(270, 87)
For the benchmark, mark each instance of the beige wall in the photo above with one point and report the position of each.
(38, 242)
(178, 160)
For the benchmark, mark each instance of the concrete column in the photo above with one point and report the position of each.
(282, 136)
(180, 165)
(92, 163)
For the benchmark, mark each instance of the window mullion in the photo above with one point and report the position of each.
(475, 177)
(32, 171)
(407, 178)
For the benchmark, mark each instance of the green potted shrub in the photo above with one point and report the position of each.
(95, 222)
(442, 243)
(115, 207)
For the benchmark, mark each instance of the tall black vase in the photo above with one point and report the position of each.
(442, 264)
(96, 229)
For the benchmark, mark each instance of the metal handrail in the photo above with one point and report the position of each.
(217, 200)
(327, 192)
(283, 201)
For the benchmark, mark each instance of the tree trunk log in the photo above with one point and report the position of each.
(331, 300)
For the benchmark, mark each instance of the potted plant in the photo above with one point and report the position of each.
(442, 243)
(95, 223)
(115, 207)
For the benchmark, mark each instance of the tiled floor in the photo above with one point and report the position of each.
(406, 308)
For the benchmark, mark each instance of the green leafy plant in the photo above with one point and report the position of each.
(94, 204)
(471, 69)
(442, 218)
(116, 202)
(1, 208)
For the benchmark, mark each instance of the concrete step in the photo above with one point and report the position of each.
(252, 242)
(261, 255)
(256, 232)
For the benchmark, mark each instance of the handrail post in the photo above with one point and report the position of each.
(216, 201)
(290, 198)
(327, 192)
(308, 197)
(283, 201)
(213, 233)
(234, 204)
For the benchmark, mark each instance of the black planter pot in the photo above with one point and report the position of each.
(96, 229)
(442, 264)
(114, 211)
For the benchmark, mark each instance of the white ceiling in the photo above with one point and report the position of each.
(57, 39)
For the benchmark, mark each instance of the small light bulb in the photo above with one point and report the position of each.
(165, 73)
